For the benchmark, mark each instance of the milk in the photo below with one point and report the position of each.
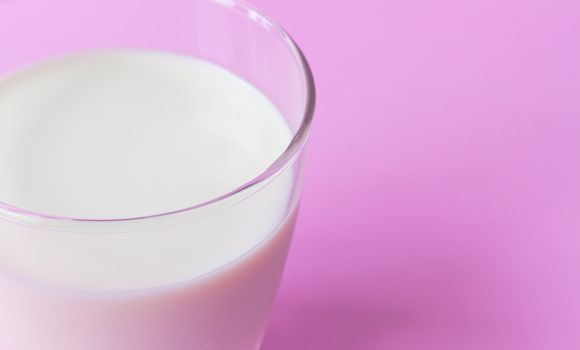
(130, 134)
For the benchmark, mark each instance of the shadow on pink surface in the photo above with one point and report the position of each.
(329, 326)
(451, 271)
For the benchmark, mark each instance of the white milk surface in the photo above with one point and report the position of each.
(127, 134)
(119, 134)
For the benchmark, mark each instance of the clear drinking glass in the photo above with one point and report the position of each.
(223, 309)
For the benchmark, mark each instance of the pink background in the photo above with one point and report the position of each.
(442, 203)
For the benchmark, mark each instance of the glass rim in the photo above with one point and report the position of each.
(294, 147)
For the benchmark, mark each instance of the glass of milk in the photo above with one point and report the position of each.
(150, 172)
